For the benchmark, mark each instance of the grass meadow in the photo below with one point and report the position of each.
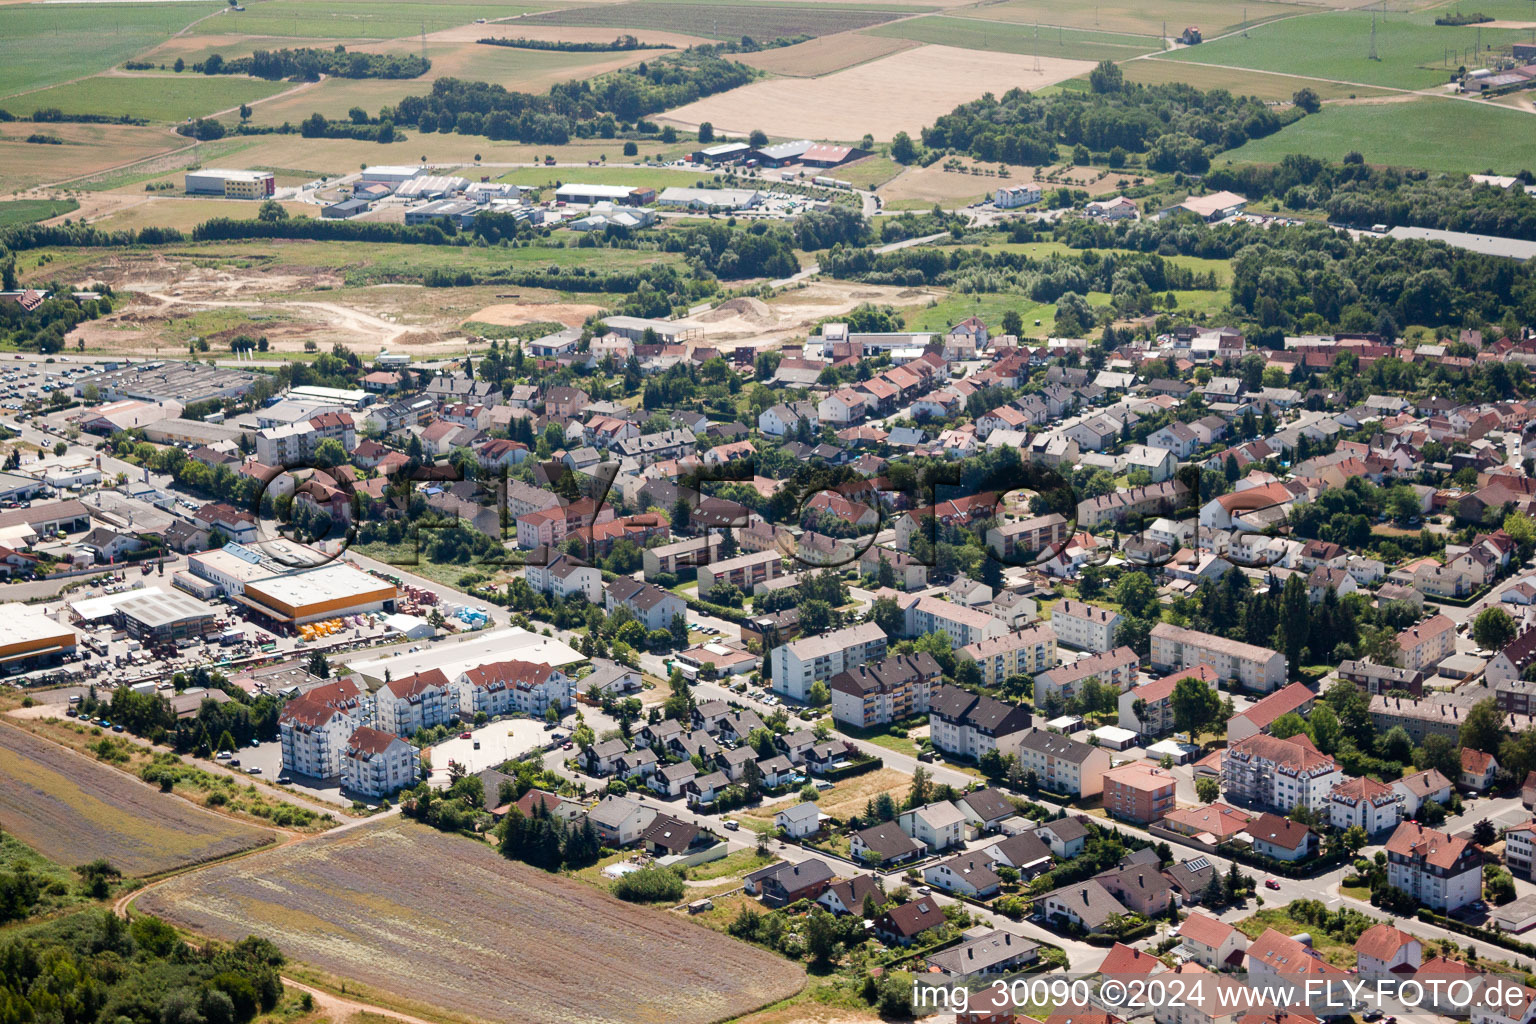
(367, 19)
(1465, 136)
(1238, 81)
(30, 211)
(722, 21)
(1336, 45)
(1212, 16)
(50, 43)
(154, 97)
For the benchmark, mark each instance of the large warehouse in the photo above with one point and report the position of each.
(233, 184)
(29, 639)
(326, 593)
(164, 616)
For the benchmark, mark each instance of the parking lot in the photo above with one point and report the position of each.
(488, 746)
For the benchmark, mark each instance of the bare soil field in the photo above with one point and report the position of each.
(73, 810)
(767, 324)
(85, 149)
(825, 54)
(901, 92)
(511, 314)
(445, 922)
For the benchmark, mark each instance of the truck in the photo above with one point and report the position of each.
(231, 636)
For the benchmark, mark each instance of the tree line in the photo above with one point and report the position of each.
(309, 63)
(619, 44)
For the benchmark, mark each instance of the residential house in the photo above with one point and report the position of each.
(1212, 943)
(796, 665)
(1439, 870)
(620, 821)
(1292, 699)
(653, 607)
(784, 883)
(901, 925)
(1279, 774)
(883, 844)
(1373, 806)
(1026, 652)
(1421, 787)
(969, 874)
(938, 826)
(799, 821)
(421, 700)
(880, 692)
(1282, 839)
(1138, 792)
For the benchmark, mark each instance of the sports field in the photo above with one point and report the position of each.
(721, 21)
(45, 44)
(1337, 45)
(437, 920)
(1211, 16)
(902, 92)
(1415, 133)
(72, 810)
(1008, 37)
(154, 97)
(1238, 81)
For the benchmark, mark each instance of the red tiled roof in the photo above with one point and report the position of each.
(1205, 930)
(1435, 848)
(1382, 941)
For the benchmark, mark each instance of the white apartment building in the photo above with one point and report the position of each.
(1372, 805)
(504, 687)
(1256, 668)
(418, 701)
(313, 728)
(376, 764)
(1437, 869)
(1520, 848)
(1084, 626)
(563, 576)
(937, 826)
(962, 625)
(968, 725)
(1279, 774)
(797, 665)
(1026, 653)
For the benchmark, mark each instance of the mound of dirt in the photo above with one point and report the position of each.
(418, 338)
(749, 309)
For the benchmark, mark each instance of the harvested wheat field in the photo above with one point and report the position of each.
(73, 810)
(898, 93)
(825, 54)
(438, 920)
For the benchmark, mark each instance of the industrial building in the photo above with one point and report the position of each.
(666, 332)
(163, 616)
(432, 186)
(709, 198)
(231, 567)
(387, 174)
(345, 208)
(328, 592)
(170, 381)
(724, 153)
(461, 212)
(30, 639)
(588, 195)
(231, 184)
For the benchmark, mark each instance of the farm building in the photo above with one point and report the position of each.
(823, 155)
(710, 198)
(325, 593)
(725, 153)
(29, 638)
(588, 195)
(1214, 207)
(781, 153)
(231, 184)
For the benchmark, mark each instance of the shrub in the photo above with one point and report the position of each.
(650, 885)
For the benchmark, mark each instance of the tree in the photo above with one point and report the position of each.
(1107, 77)
(271, 212)
(818, 696)
(1307, 100)
(1440, 753)
(922, 784)
(1323, 727)
(61, 447)
(1207, 790)
(1195, 706)
(886, 614)
(1483, 727)
(317, 666)
(630, 149)
(1288, 725)
(903, 151)
(706, 133)
(681, 513)
(328, 453)
(1137, 596)
(1493, 629)
(757, 138)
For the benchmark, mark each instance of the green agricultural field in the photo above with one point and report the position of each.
(1006, 37)
(50, 43)
(30, 211)
(1412, 134)
(721, 21)
(1242, 82)
(1336, 45)
(366, 19)
(155, 97)
(1211, 16)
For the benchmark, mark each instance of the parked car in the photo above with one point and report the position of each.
(731, 824)
(464, 735)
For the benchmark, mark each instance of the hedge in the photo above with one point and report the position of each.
(851, 769)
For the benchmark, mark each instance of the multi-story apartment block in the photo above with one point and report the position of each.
(1084, 626)
(962, 625)
(1279, 774)
(797, 665)
(745, 571)
(417, 701)
(376, 764)
(564, 576)
(652, 606)
(968, 725)
(1148, 708)
(1257, 668)
(884, 691)
(1437, 869)
(1423, 646)
(1138, 792)
(1064, 765)
(1009, 541)
(1441, 715)
(1509, 665)
(1117, 668)
(1024, 653)
(504, 687)
(1520, 848)
(313, 728)
(1372, 805)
